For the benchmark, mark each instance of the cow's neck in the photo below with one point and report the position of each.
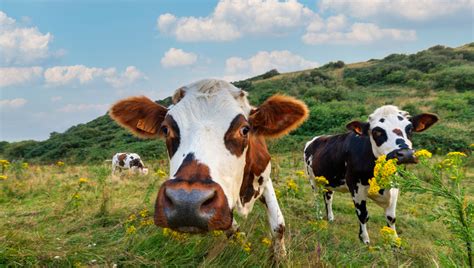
(257, 160)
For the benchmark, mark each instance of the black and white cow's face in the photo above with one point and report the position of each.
(390, 130)
(207, 130)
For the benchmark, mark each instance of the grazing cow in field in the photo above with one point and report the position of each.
(130, 161)
(347, 160)
(218, 156)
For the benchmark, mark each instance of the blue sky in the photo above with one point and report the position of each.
(64, 62)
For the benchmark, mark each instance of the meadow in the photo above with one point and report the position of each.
(79, 215)
(59, 206)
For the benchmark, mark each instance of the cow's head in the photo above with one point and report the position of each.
(390, 131)
(208, 130)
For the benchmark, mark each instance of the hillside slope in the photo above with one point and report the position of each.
(439, 79)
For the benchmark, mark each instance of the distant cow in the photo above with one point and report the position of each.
(130, 161)
(218, 157)
(347, 160)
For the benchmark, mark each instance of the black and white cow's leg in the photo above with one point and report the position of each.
(328, 196)
(275, 218)
(390, 211)
(359, 195)
(387, 199)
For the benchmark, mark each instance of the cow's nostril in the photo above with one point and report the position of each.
(210, 199)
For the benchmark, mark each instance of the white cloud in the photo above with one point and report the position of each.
(263, 61)
(416, 10)
(176, 57)
(358, 33)
(14, 76)
(22, 45)
(83, 107)
(13, 103)
(232, 19)
(62, 75)
(128, 77)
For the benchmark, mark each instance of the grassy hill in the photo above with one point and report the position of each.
(439, 79)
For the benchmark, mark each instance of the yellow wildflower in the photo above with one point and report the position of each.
(291, 184)
(131, 230)
(4, 162)
(321, 180)
(374, 188)
(266, 242)
(146, 222)
(247, 247)
(144, 213)
(83, 180)
(76, 196)
(3, 177)
(60, 163)
(456, 154)
(166, 231)
(300, 173)
(390, 236)
(398, 242)
(384, 170)
(471, 145)
(277, 193)
(318, 225)
(217, 233)
(423, 153)
(160, 173)
(25, 165)
(131, 218)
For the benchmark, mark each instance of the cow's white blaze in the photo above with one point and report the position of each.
(203, 116)
(388, 118)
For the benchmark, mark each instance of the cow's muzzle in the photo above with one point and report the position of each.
(403, 156)
(192, 206)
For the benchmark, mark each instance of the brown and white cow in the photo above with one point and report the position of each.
(130, 161)
(218, 157)
(347, 160)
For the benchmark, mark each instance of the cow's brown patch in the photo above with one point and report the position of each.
(121, 159)
(398, 132)
(140, 115)
(277, 116)
(173, 137)
(234, 141)
(191, 169)
(255, 163)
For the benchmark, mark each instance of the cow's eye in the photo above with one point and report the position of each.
(376, 133)
(244, 131)
(165, 130)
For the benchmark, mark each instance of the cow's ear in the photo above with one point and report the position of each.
(140, 115)
(359, 128)
(277, 116)
(424, 121)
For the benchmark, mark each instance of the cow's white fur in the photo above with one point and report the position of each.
(116, 166)
(390, 114)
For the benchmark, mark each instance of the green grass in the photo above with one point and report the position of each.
(41, 224)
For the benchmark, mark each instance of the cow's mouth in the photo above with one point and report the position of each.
(403, 156)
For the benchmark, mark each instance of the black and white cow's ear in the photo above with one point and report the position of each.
(277, 116)
(140, 115)
(360, 128)
(424, 121)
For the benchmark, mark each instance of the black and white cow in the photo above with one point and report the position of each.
(347, 160)
(130, 161)
(219, 160)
